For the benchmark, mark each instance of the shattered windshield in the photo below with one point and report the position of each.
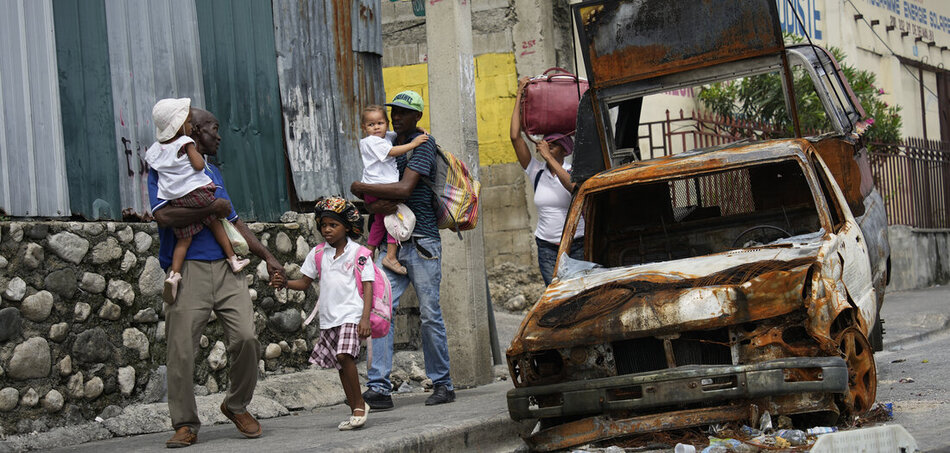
(753, 206)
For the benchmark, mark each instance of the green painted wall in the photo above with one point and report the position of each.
(85, 87)
(239, 66)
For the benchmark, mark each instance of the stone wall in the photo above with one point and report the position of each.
(81, 318)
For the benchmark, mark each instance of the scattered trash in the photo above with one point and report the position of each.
(716, 430)
(925, 361)
(99, 419)
(589, 449)
(784, 422)
(906, 380)
(888, 408)
(898, 360)
(749, 431)
(821, 430)
(881, 412)
(768, 442)
(765, 422)
(717, 445)
(795, 437)
(404, 388)
(684, 448)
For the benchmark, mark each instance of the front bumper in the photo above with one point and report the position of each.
(678, 386)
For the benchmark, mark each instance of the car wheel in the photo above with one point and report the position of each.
(856, 350)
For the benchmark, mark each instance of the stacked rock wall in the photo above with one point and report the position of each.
(81, 318)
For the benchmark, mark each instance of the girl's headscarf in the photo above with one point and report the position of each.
(342, 211)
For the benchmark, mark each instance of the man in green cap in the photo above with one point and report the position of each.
(421, 255)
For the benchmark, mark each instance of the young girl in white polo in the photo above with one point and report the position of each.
(344, 315)
(183, 182)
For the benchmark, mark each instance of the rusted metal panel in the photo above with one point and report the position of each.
(629, 40)
(32, 162)
(597, 428)
(681, 386)
(153, 54)
(241, 87)
(659, 298)
(329, 64)
(697, 161)
(367, 27)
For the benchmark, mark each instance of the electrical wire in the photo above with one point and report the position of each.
(914, 76)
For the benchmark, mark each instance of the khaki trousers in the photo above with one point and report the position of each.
(207, 286)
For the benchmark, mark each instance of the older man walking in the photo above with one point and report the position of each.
(207, 285)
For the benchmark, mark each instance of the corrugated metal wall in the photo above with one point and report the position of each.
(240, 76)
(329, 62)
(82, 53)
(154, 54)
(239, 59)
(32, 164)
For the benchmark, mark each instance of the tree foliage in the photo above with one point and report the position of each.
(761, 98)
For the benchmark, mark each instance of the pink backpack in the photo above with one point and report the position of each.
(380, 314)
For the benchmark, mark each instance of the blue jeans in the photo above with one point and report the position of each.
(547, 255)
(425, 274)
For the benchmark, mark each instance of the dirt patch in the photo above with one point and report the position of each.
(513, 287)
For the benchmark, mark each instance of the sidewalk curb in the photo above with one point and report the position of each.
(494, 433)
(900, 343)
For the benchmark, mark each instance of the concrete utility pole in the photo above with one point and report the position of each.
(453, 122)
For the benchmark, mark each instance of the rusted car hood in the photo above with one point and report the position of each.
(702, 292)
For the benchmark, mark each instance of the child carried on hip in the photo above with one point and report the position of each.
(379, 167)
(183, 182)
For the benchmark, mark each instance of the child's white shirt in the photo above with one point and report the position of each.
(339, 301)
(378, 166)
(176, 176)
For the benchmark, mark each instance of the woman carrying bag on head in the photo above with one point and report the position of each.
(553, 189)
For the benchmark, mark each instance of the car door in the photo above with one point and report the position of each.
(851, 246)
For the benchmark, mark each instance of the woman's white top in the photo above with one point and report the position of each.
(552, 201)
(339, 301)
(176, 176)
(378, 166)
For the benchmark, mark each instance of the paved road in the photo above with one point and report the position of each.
(913, 370)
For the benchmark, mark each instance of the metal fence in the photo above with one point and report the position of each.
(680, 133)
(913, 176)
(914, 179)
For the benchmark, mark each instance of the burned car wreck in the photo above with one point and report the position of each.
(718, 283)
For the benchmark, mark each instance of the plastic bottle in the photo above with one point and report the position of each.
(821, 430)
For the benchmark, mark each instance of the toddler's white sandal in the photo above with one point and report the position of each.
(355, 421)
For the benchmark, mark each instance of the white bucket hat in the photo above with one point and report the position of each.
(169, 115)
(400, 224)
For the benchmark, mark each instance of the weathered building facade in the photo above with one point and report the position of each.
(286, 79)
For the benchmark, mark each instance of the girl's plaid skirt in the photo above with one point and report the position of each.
(198, 198)
(343, 339)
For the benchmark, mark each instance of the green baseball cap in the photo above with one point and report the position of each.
(408, 100)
